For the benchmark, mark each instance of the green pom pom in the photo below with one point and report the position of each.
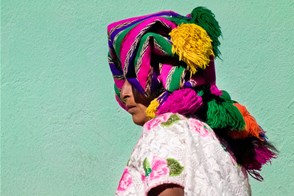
(222, 113)
(205, 18)
(225, 96)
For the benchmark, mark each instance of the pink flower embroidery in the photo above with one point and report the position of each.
(196, 125)
(159, 168)
(156, 121)
(151, 124)
(125, 181)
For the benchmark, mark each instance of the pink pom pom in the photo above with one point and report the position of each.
(182, 101)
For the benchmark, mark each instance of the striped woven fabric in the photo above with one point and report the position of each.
(134, 43)
(140, 50)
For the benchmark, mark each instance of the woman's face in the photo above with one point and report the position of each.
(135, 102)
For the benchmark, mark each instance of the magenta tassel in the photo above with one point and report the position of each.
(264, 155)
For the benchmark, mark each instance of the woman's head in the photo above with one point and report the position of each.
(175, 53)
(149, 52)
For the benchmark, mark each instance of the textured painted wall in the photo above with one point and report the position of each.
(62, 131)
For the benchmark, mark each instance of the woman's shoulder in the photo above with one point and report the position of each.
(164, 121)
(174, 122)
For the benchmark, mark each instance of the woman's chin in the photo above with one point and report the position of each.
(139, 120)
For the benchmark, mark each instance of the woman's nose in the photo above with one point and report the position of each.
(126, 90)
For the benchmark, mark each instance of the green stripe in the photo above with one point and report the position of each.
(178, 20)
(165, 45)
(142, 42)
(117, 91)
(176, 78)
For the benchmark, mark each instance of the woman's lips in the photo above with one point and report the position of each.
(131, 108)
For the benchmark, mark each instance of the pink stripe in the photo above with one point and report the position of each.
(166, 68)
(129, 40)
(145, 67)
(111, 27)
(119, 83)
(120, 102)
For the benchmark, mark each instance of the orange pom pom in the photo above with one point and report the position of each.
(251, 127)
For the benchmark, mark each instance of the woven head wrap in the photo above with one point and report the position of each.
(175, 54)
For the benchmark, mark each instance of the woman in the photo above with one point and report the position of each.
(195, 140)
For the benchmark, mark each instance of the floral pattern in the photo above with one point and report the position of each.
(172, 119)
(175, 167)
(199, 127)
(125, 181)
(156, 121)
(161, 167)
(184, 151)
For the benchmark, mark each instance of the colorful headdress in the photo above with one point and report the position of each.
(172, 57)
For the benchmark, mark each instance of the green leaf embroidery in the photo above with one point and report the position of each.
(173, 118)
(146, 166)
(175, 168)
(128, 163)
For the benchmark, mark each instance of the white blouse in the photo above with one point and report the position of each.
(183, 151)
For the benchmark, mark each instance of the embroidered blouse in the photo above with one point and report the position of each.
(184, 151)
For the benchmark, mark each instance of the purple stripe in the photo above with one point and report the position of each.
(135, 83)
(188, 85)
(164, 97)
(114, 69)
(115, 32)
(110, 44)
(154, 82)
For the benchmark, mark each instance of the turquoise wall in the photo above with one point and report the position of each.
(62, 131)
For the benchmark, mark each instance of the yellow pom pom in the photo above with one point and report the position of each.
(151, 109)
(193, 46)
